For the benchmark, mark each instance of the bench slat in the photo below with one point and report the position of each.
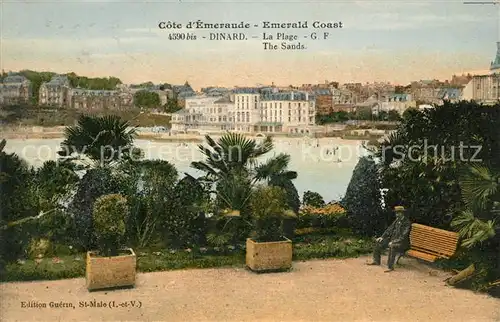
(430, 241)
(436, 234)
(434, 237)
(441, 247)
(436, 230)
(421, 255)
(435, 253)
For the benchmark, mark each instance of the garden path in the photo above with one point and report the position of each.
(319, 290)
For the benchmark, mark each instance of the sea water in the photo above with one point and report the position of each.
(323, 165)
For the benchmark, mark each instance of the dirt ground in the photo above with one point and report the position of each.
(323, 290)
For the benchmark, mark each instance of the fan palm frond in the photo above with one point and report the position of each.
(473, 230)
(479, 184)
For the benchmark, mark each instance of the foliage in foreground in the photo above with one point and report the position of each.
(320, 245)
(433, 166)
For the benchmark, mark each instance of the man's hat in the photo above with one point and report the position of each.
(399, 208)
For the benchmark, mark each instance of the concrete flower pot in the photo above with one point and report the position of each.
(110, 272)
(269, 256)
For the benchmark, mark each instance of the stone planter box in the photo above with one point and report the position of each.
(110, 272)
(269, 256)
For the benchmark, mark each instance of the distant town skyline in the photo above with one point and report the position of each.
(388, 41)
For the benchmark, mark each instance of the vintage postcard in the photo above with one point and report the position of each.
(206, 160)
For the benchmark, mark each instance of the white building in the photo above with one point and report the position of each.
(292, 112)
(483, 89)
(203, 114)
(248, 110)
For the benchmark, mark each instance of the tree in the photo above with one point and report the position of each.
(399, 89)
(186, 223)
(104, 140)
(53, 183)
(147, 99)
(16, 202)
(102, 83)
(363, 199)
(421, 161)
(313, 199)
(172, 106)
(234, 158)
(364, 113)
(393, 116)
(382, 116)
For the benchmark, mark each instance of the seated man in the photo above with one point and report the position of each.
(396, 237)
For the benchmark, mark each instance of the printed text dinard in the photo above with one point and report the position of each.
(199, 24)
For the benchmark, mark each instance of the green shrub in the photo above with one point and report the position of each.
(149, 189)
(110, 214)
(326, 216)
(363, 199)
(95, 183)
(185, 224)
(314, 220)
(269, 209)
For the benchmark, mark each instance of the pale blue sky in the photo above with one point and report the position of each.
(397, 41)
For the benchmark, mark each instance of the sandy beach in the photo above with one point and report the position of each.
(57, 133)
(322, 290)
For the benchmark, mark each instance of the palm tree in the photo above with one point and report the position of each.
(480, 221)
(104, 140)
(232, 152)
(232, 164)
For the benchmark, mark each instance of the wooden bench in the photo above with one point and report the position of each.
(429, 243)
